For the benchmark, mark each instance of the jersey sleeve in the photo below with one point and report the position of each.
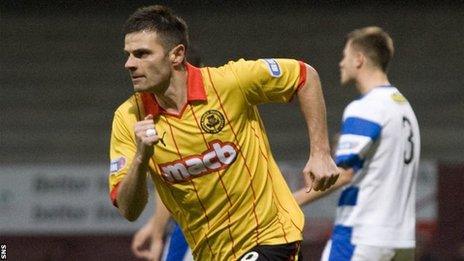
(122, 151)
(361, 127)
(269, 80)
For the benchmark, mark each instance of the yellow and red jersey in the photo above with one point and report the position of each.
(215, 171)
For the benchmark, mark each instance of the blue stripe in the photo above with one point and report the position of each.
(342, 249)
(342, 232)
(358, 126)
(349, 161)
(349, 197)
(178, 246)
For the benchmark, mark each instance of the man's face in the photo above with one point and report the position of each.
(348, 65)
(148, 62)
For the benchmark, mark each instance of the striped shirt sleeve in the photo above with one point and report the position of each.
(361, 127)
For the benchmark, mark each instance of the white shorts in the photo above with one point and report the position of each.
(365, 253)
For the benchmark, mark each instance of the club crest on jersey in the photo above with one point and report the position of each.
(219, 156)
(398, 97)
(212, 121)
(274, 67)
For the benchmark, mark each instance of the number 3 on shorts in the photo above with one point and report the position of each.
(250, 256)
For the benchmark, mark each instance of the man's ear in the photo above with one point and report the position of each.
(177, 54)
(359, 59)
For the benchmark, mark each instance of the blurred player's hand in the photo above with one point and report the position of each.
(145, 246)
(146, 136)
(320, 172)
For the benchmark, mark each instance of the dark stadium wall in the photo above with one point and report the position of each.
(62, 67)
(449, 241)
(62, 77)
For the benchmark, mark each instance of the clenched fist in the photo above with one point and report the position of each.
(320, 172)
(146, 136)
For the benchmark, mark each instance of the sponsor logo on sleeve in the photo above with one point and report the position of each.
(347, 145)
(117, 164)
(219, 156)
(274, 67)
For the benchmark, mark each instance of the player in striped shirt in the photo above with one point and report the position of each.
(160, 238)
(379, 149)
(198, 133)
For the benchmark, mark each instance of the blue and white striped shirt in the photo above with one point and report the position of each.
(380, 140)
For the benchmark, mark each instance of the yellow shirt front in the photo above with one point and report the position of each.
(215, 171)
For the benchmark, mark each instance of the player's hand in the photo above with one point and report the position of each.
(320, 172)
(146, 136)
(141, 241)
(156, 249)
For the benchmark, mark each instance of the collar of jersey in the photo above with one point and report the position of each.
(373, 89)
(195, 92)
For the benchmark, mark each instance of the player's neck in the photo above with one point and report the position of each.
(173, 99)
(371, 79)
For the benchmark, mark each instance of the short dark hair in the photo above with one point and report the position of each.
(375, 43)
(160, 19)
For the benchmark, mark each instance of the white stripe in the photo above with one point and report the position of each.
(353, 144)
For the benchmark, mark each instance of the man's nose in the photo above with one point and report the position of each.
(130, 63)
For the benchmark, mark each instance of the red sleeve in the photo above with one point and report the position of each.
(302, 80)
(114, 195)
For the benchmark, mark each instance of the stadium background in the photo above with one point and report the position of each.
(62, 77)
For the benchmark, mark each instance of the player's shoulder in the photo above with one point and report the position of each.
(234, 70)
(129, 107)
(233, 65)
(273, 65)
(379, 104)
(377, 98)
(386, 93)
(222, 75)
(394, 96)
(388, 98)
(128, 103)
(366, 108)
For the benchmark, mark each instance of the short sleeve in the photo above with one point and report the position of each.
(361, 127)
(122, 151)
(269, 80)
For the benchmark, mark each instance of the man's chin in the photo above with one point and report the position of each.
(346, 82)
(138, 88)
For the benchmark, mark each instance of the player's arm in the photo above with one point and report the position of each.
(160, 221)
(153, 233)
(303, 198)
(276, 80)
(320, 172)
(132, 192)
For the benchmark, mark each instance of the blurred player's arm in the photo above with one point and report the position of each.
(148, 241)
(132, 193)
(303, 198)
(320, 172)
